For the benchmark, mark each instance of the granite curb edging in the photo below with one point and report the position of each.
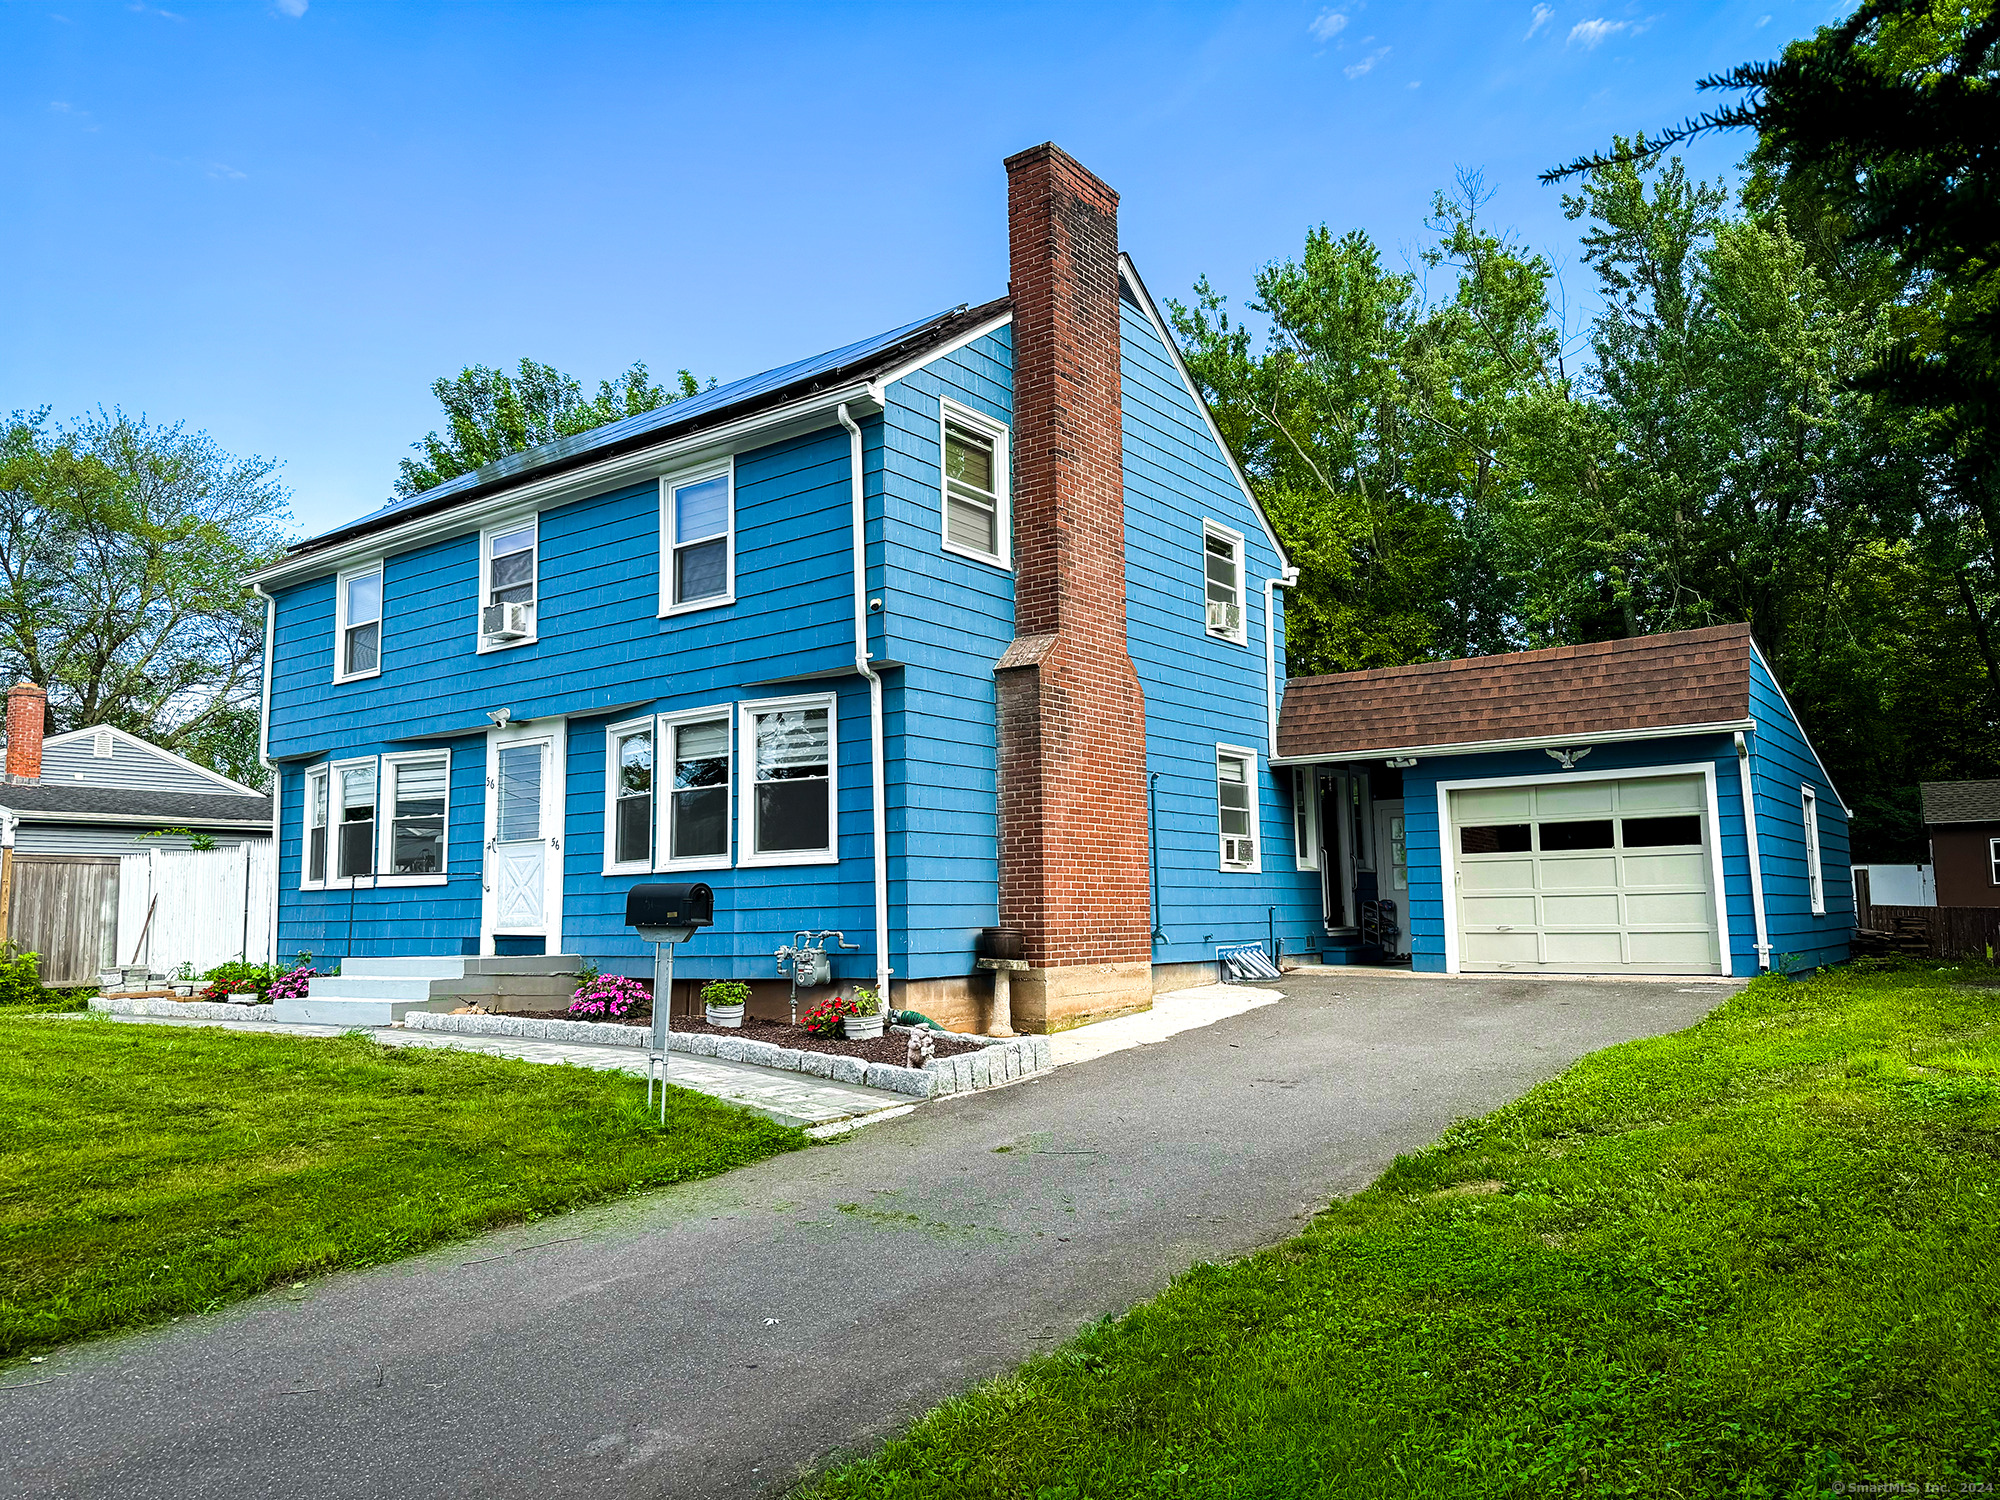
(1000, 1059)
(200, 1010)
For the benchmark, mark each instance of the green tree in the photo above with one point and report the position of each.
(123, 545)
(490, 414)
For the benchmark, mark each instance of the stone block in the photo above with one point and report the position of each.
(848, 1069)
(760, 1053)
(944, 1077)
(818, 1064)
(1045, 1053)
(786, 1058)
(729, 1049)
(982, 1069)
(961, 1071)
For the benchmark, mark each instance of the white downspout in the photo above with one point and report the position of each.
(264, 760)
(1288, 579)
(1756, 860)
(878, 774)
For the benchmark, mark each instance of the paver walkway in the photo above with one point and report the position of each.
(718, 1338)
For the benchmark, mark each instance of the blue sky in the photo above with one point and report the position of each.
(281, 220)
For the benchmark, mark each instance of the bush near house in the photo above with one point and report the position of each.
(147, 1171)
(1759, 1257)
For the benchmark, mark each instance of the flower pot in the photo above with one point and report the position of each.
(729, 1017)
(185, 988)
(861, 1028)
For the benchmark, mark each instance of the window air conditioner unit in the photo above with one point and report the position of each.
(1226, 618)
(1239, 851)
(507, 622)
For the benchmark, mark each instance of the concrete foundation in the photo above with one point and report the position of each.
(1050, 1000)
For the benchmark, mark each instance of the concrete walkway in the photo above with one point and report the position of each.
(722, 1337)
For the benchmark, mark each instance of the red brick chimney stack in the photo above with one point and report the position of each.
(27, 711)
(1072, 752)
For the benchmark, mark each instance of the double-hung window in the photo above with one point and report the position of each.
(317, 803)
(1993, 859)
(1815, 885)
(1236, 806)
(416, 789)
(358, 631)
(507, 585)
(698, 812)
(976, 522)
(354, 850)
(1222, 582)
(789, 795)
(697, 569)
(629, 797)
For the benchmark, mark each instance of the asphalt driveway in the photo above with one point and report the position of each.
(718, 1339)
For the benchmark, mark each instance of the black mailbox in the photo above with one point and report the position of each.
(670, 906)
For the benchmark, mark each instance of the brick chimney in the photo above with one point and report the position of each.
(27, 711)
(1072, 717)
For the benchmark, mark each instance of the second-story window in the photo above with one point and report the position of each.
(975, 486)
(507, 604)
(1222, 578)
(358, 651)
(696, 521)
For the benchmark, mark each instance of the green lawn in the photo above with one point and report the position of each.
(148, 1171)
(1760, 1257)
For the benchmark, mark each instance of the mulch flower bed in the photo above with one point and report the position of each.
(890, 1047)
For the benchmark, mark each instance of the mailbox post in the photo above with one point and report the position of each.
(665, 916)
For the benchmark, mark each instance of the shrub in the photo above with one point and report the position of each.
(233, 977)
(866, 1001)
(20, 977)
(609, 997)
(290, 985)
(725, 992)
(824, 1019)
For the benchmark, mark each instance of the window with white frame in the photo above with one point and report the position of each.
(696, 520)
(1222, 576)
(358, 633)
(698, 811)
(629, 797)
(354, 847)
(317, 781)
(1236, 807)
(507, 588)
(975, 486)
(1815, 886)
(1993, 859)
(1305, 817)
(416, 790)
(789, 793)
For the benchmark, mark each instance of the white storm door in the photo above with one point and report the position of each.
(523, 837)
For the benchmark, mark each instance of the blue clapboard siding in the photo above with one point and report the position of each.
(1201, 692)
(1783, 764)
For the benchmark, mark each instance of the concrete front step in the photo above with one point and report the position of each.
(320, 1010)
(381, 991)
(458, 966)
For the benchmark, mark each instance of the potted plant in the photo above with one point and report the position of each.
(866, 1022)
(183, 981)
(723, 1001)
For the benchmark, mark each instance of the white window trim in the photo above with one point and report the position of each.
(481, 643)
(1305, 815)
(746, 740)
(612, 864)
(950, 411)
(668, 484)
(1993, 860)
(385, 818)
(1815, 873)
(663, 782)
(321, 772)
(1241, 635)
(1253, 778)
(336, 811)
(340, 582)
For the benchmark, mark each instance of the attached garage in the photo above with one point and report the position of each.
(1586, 875)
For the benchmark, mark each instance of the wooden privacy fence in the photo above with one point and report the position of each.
(67, 911)
(1954, 931)
(206, 906)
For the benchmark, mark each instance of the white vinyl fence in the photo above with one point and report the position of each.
(200, 907)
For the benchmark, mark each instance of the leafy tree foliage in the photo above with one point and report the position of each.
(490, 414)
(122, 549)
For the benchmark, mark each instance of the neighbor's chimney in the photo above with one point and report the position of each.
(1072, 718)
(27, 707)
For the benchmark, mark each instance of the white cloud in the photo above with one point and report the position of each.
(222, 171)
(1541, 19)
(1367, 64)
(1416, 83)
(292, 8)
(1762, 22)
(1329, 25)
(1592, 33)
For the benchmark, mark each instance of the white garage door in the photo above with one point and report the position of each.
(1586, 877)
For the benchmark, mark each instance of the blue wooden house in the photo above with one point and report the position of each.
(972, 624)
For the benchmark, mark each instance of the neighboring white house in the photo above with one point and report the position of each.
(75, 807)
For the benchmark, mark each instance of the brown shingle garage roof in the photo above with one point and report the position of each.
(1961, 801)
(1684, 678)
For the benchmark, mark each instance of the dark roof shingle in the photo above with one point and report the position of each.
(48, 803)
(1568, 692)
(1961, 801)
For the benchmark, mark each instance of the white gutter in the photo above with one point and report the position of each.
(46, 815)
(1289, 579)
(264, 760)
(877, 771)
(1531, 742)
(1756, 860)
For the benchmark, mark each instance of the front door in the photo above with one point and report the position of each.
(523, 874)
(1392, 855)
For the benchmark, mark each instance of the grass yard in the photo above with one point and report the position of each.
(149, 1171)
(1760, 1257)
